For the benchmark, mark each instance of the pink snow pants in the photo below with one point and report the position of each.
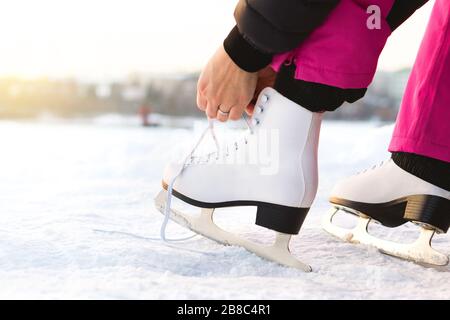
(423, 123)
(328, 57)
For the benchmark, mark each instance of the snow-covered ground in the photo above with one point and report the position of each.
(77, 221)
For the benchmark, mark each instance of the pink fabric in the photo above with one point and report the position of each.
(423, 124)
(343, 52)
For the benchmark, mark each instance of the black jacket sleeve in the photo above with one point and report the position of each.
(267, 27)
(402, 10)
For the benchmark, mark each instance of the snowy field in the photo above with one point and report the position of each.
(77, 221)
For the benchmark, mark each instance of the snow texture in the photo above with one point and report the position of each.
(77, 220)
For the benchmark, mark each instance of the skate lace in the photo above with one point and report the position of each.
(189, 161)
(225, 150)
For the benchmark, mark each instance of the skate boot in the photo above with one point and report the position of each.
(391, 196)
(281, 191)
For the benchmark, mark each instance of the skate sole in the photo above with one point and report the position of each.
(389, 214)
(429, 210)
(276, 217)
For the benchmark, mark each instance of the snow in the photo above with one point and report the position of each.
(77, 221)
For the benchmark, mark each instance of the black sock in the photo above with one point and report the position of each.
(434, 171)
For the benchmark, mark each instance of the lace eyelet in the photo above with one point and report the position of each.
(255, 121)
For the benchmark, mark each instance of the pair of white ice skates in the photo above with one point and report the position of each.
(283, 195)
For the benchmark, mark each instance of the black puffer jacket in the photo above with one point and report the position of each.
(266, 27)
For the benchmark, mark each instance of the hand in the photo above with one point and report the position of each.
(266, 78)
(223, 84)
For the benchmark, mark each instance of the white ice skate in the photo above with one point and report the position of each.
(282, 191)
(392, 196)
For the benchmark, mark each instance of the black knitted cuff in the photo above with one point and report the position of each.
(434, 171)
(315, 97)
(244, 55)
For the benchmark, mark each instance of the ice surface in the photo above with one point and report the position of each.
(77, 221)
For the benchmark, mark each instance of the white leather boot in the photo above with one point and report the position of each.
(392, 196)
(273, 168)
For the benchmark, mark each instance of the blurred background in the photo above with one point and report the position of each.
(96, 96)
(141, 58)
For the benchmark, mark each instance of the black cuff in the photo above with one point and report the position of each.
(243, 54)
(315, 97)
(434, 171)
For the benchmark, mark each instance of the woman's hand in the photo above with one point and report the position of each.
(224, 85)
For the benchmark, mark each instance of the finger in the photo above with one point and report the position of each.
(211, 110)
(250, 108)
(222, 116)
(235, 113)
(202, 103)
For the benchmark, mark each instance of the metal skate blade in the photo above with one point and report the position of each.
(204, 225)
(339, 232)
(419, 251)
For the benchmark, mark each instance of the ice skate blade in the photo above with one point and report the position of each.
(420, 251)
(204, 225)
(339, 232)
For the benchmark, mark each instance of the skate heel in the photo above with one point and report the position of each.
(432, 211)
(283, 219)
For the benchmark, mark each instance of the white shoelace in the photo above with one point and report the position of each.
(167, 208)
